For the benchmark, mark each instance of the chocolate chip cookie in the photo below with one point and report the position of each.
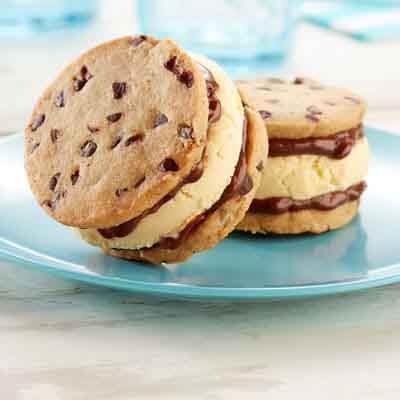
(109, 137)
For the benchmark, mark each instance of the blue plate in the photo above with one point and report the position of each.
(364, 254)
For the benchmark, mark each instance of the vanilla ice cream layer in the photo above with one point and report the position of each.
(221, 156)
(306, 176)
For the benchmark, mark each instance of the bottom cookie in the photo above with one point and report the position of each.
(207, 235)
(312, 221)
(218, 223)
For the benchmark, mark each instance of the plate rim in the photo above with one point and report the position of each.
(184, 290)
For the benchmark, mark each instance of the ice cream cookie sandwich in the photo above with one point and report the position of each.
(318, 156)
(147, 150)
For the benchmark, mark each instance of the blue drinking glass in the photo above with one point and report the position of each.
(231, 31)
(29, 16)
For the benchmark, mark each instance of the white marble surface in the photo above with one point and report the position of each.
(61, 340)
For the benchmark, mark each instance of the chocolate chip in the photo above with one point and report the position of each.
(298, 81)
(120, 192)
(33, 147)
(265, 114)
(59, 100)
(75, 177)
(139, 182)
(314, 110)
(37, 122)
(85, 74)
(78, 84)
(186, 77)
(135, 42)
(114, 117)
(80, 81)
(119, 89)
(260, 166)
(49, 204)
(160, 120)
(88, 148)
(134, 138)
(313, 117)
(53, 181)
(185, 131)
(169, 165)
(353, 99)
(93, 129)
(170, 64)
(116, 141)
(55, 134)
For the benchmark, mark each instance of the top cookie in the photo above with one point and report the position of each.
(116, 131)
(302, 108)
